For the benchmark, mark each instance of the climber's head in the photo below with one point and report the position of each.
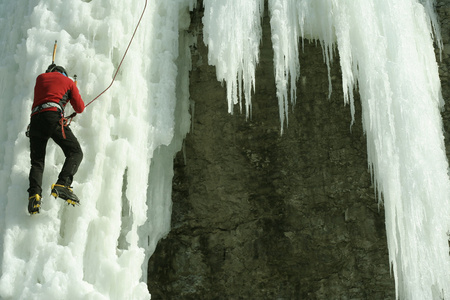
(55, 68)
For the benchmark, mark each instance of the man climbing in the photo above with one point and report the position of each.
(52, 91)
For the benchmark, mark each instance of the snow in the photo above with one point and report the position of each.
(130, 135)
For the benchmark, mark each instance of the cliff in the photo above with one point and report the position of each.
(259, 215)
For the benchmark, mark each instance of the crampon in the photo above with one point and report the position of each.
(65, 193)
(34, 204)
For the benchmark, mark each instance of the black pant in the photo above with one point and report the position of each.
(43, 126)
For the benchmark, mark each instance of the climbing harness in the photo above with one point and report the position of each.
(64, 122)
(44, 106)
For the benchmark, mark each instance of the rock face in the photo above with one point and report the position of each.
(259, 215)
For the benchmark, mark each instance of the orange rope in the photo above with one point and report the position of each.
(64, 122)
(118, 68)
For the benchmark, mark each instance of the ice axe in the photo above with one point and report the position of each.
(68, 119)
(53, 58)
(54, 52)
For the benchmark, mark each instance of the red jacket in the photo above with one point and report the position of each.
(55, 87)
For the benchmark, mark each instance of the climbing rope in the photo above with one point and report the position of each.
(118, 68)
(64, 122)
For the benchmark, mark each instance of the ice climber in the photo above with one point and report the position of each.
(52, 91)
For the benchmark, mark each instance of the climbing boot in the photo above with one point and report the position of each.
(34, 204)
(65, 193)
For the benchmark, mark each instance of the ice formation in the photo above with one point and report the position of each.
(100, 249)
(386, 53)
(235, 51)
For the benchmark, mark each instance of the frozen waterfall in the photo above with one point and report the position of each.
(100, 249)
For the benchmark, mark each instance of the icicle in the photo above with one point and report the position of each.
(285, 36)
(232, 32)
(392, 59)
(386, 52)
(291, 20)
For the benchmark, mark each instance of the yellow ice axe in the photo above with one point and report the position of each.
(54, 52)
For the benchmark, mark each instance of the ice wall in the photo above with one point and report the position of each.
(100, 249)
(386, 54)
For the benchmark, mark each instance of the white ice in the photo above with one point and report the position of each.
(232, 31)
(130, 135)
